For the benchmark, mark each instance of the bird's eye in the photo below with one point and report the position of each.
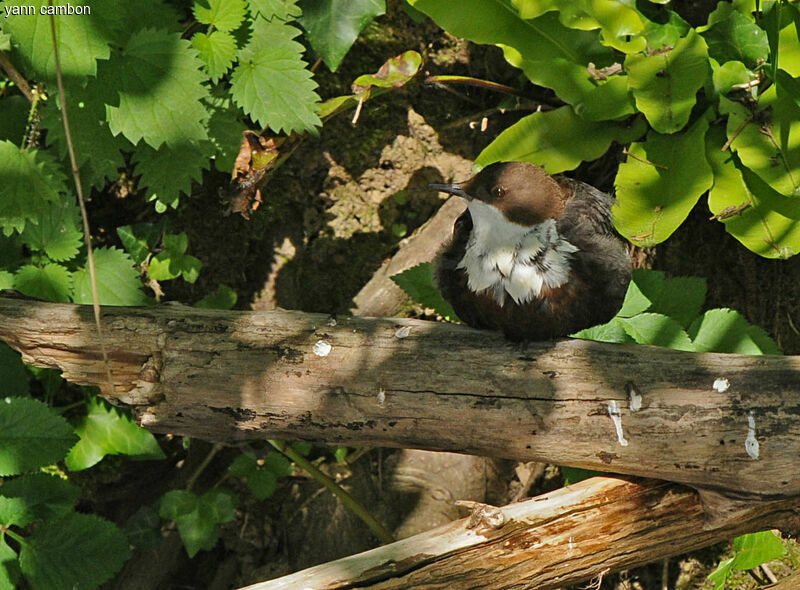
(498, 192)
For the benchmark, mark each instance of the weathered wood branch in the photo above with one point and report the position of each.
(233, 375)
(565, 537)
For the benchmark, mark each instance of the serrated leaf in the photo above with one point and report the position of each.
(53, 282)
(35, 496)
(225, 132)
(223, 298)
(659, 184)
(160, 88)
(612, 331)
(29, 179)
(271, 82)
(225, 15)
(31, 435)
(169, 171)
(657, 330)
(9, 566)
(82, 40)
(56, 231)
(107, 431)
(261, 481)
(730, 36)
(117, 280)
(756, 548)
(332, 26)
(55, 555)
(15, 380)
(283, 9)
(198, 518)
(140, 238)
(556, 140)
(418, 284)
(725, 330)
(665, 84)
(217, 50)
(680, 298)
(752, 221)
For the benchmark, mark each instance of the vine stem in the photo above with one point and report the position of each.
(18, 538)
(87, 237)
(200, 468)
(374, 525)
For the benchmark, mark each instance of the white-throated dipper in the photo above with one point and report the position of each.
(534, 256)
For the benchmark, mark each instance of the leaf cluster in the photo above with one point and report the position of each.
(713, 108)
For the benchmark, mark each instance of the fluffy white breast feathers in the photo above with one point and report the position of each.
(515, 259)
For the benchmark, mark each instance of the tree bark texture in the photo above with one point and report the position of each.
(564, 537)
(234, 375)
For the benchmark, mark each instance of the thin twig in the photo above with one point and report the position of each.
(87, 237)
(375, 526)
(736, 133)
(635, 157)
(200, 468)
(16, 77)
(466, 80)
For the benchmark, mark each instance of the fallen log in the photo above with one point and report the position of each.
(564, 537)
(407, 383)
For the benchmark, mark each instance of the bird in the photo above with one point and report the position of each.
(534, 256)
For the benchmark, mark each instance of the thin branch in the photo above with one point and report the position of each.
(736, 133)
(16, 77)
(79, 191)
(643, 160)
(467, 81)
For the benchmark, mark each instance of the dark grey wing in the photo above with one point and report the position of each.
(587, 212)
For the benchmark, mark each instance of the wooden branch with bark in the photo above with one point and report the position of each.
(406, 383)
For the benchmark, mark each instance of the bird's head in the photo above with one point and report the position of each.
(525, 194)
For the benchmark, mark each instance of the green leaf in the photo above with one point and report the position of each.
(15, 111)
(418, 284)
(82, 40)
(721, 573)
(770, 149)
(56, 231)
(117, 280)
(302, 447)
(657, 330)
(5, 42)
(140, 238)
(225, 15)
(662, 27)
(9, 565)
(76, 552)
(748, 211)
(271, 82)
(680, 298)
(573, 475)
(261, 481)
(223, 298)
(217, 50)
(143, 529)
(15, 378)
(160, 88)
(31, 435)
(731, 36)
(556, 140)
(660, 183)
(6, 280)
(332, 26)
(52, 283)
(283, 9)
(756, 548)
(395, 72)
(173, 262)
(36, 496)
(225, 132)
(30, 179)
(198, 518)
(729, 75)
(612, 331)
(107, 431)
(169, 171)
(725, 330)
(664, 84)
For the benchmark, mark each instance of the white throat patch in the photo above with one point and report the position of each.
(509, 258)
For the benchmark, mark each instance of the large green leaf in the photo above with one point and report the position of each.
(768, 141)
(76, 552)
(549, 53)
(332, 26)
(224, 15)
(31, 435)
(169, 171)
(680, 298)
(117, 280)
(108, 431)
(557, 140)
(418, 284)
(657, 330)
(160, 88)
(56, 231)
(198, 518)
(730, 35)
(217, 50)
(660, 183)
(35, 496)
(725, 330)
(51, 282)
(271, 82)
(747, 209)
(665, 83)
(9, 564)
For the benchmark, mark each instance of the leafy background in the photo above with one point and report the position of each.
(156, 166)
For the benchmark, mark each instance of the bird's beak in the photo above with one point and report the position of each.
(453, 188)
